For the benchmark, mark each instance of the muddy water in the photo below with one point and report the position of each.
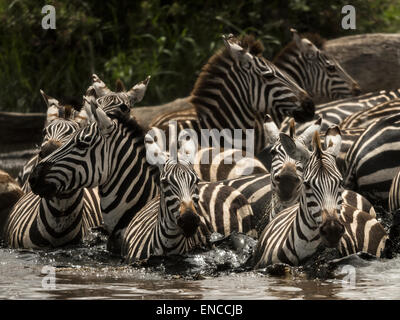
(89, 272)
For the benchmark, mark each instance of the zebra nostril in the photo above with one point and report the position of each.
(277, 178)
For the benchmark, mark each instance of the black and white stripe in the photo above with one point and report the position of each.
(234, 86)
(320, 218)
(39, 222)
(315, 70)
(374, 159)
(177, 221)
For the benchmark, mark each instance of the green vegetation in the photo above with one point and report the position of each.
(170, 40)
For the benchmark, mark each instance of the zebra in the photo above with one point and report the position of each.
(394, 193)
(235, 84)
(174, 222)
(37, 221)
(55, 133)
(315, 70)
(335, 112)
(10, 193)
(363, 118)
(373, 160)
(321, 217)
(108, 153)
(270, 193)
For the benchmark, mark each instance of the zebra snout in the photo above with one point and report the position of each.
(48, 148)
(38, 183)
(306, 111)
(287, 184)
(331, 232)
(188, 220)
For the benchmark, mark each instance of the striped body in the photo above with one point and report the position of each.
(374, 159)
(333, 113)
(280, 242)
(364, 118)
(212, 165)
(394, 194)
(36, 223)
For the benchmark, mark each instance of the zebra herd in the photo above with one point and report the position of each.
(309, 182)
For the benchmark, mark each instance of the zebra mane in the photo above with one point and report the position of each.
(130, 123)
(315, 38)
(211, 68)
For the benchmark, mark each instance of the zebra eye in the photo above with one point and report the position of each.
(331, 67)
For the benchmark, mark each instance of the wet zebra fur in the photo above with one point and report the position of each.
(177, 221)
(321, 217)
(315, 70)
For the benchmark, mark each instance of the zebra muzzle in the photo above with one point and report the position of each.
(38, 184)
(331, 231)
(188, 220)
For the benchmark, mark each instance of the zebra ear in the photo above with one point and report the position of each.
(333, 140)
(137, 92)
(154, 154)
(317, 148)
(271, 131)
(294, 148)
(99, 86)
(104, 123)
(82, 118)
(307, 135)
(119, 86)
(54, 109)
(187, 147)
(237, 52)
(306, 47)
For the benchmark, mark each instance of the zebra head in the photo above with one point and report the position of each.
(318, 72)
(286, 172)
(179, 193)
(61, 122)
(114, 102)
(271, 90)
(321, 197)
(80, 162)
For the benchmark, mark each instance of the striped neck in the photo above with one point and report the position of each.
(131, 180)
(60, 216)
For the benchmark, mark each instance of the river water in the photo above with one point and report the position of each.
(89, 272)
